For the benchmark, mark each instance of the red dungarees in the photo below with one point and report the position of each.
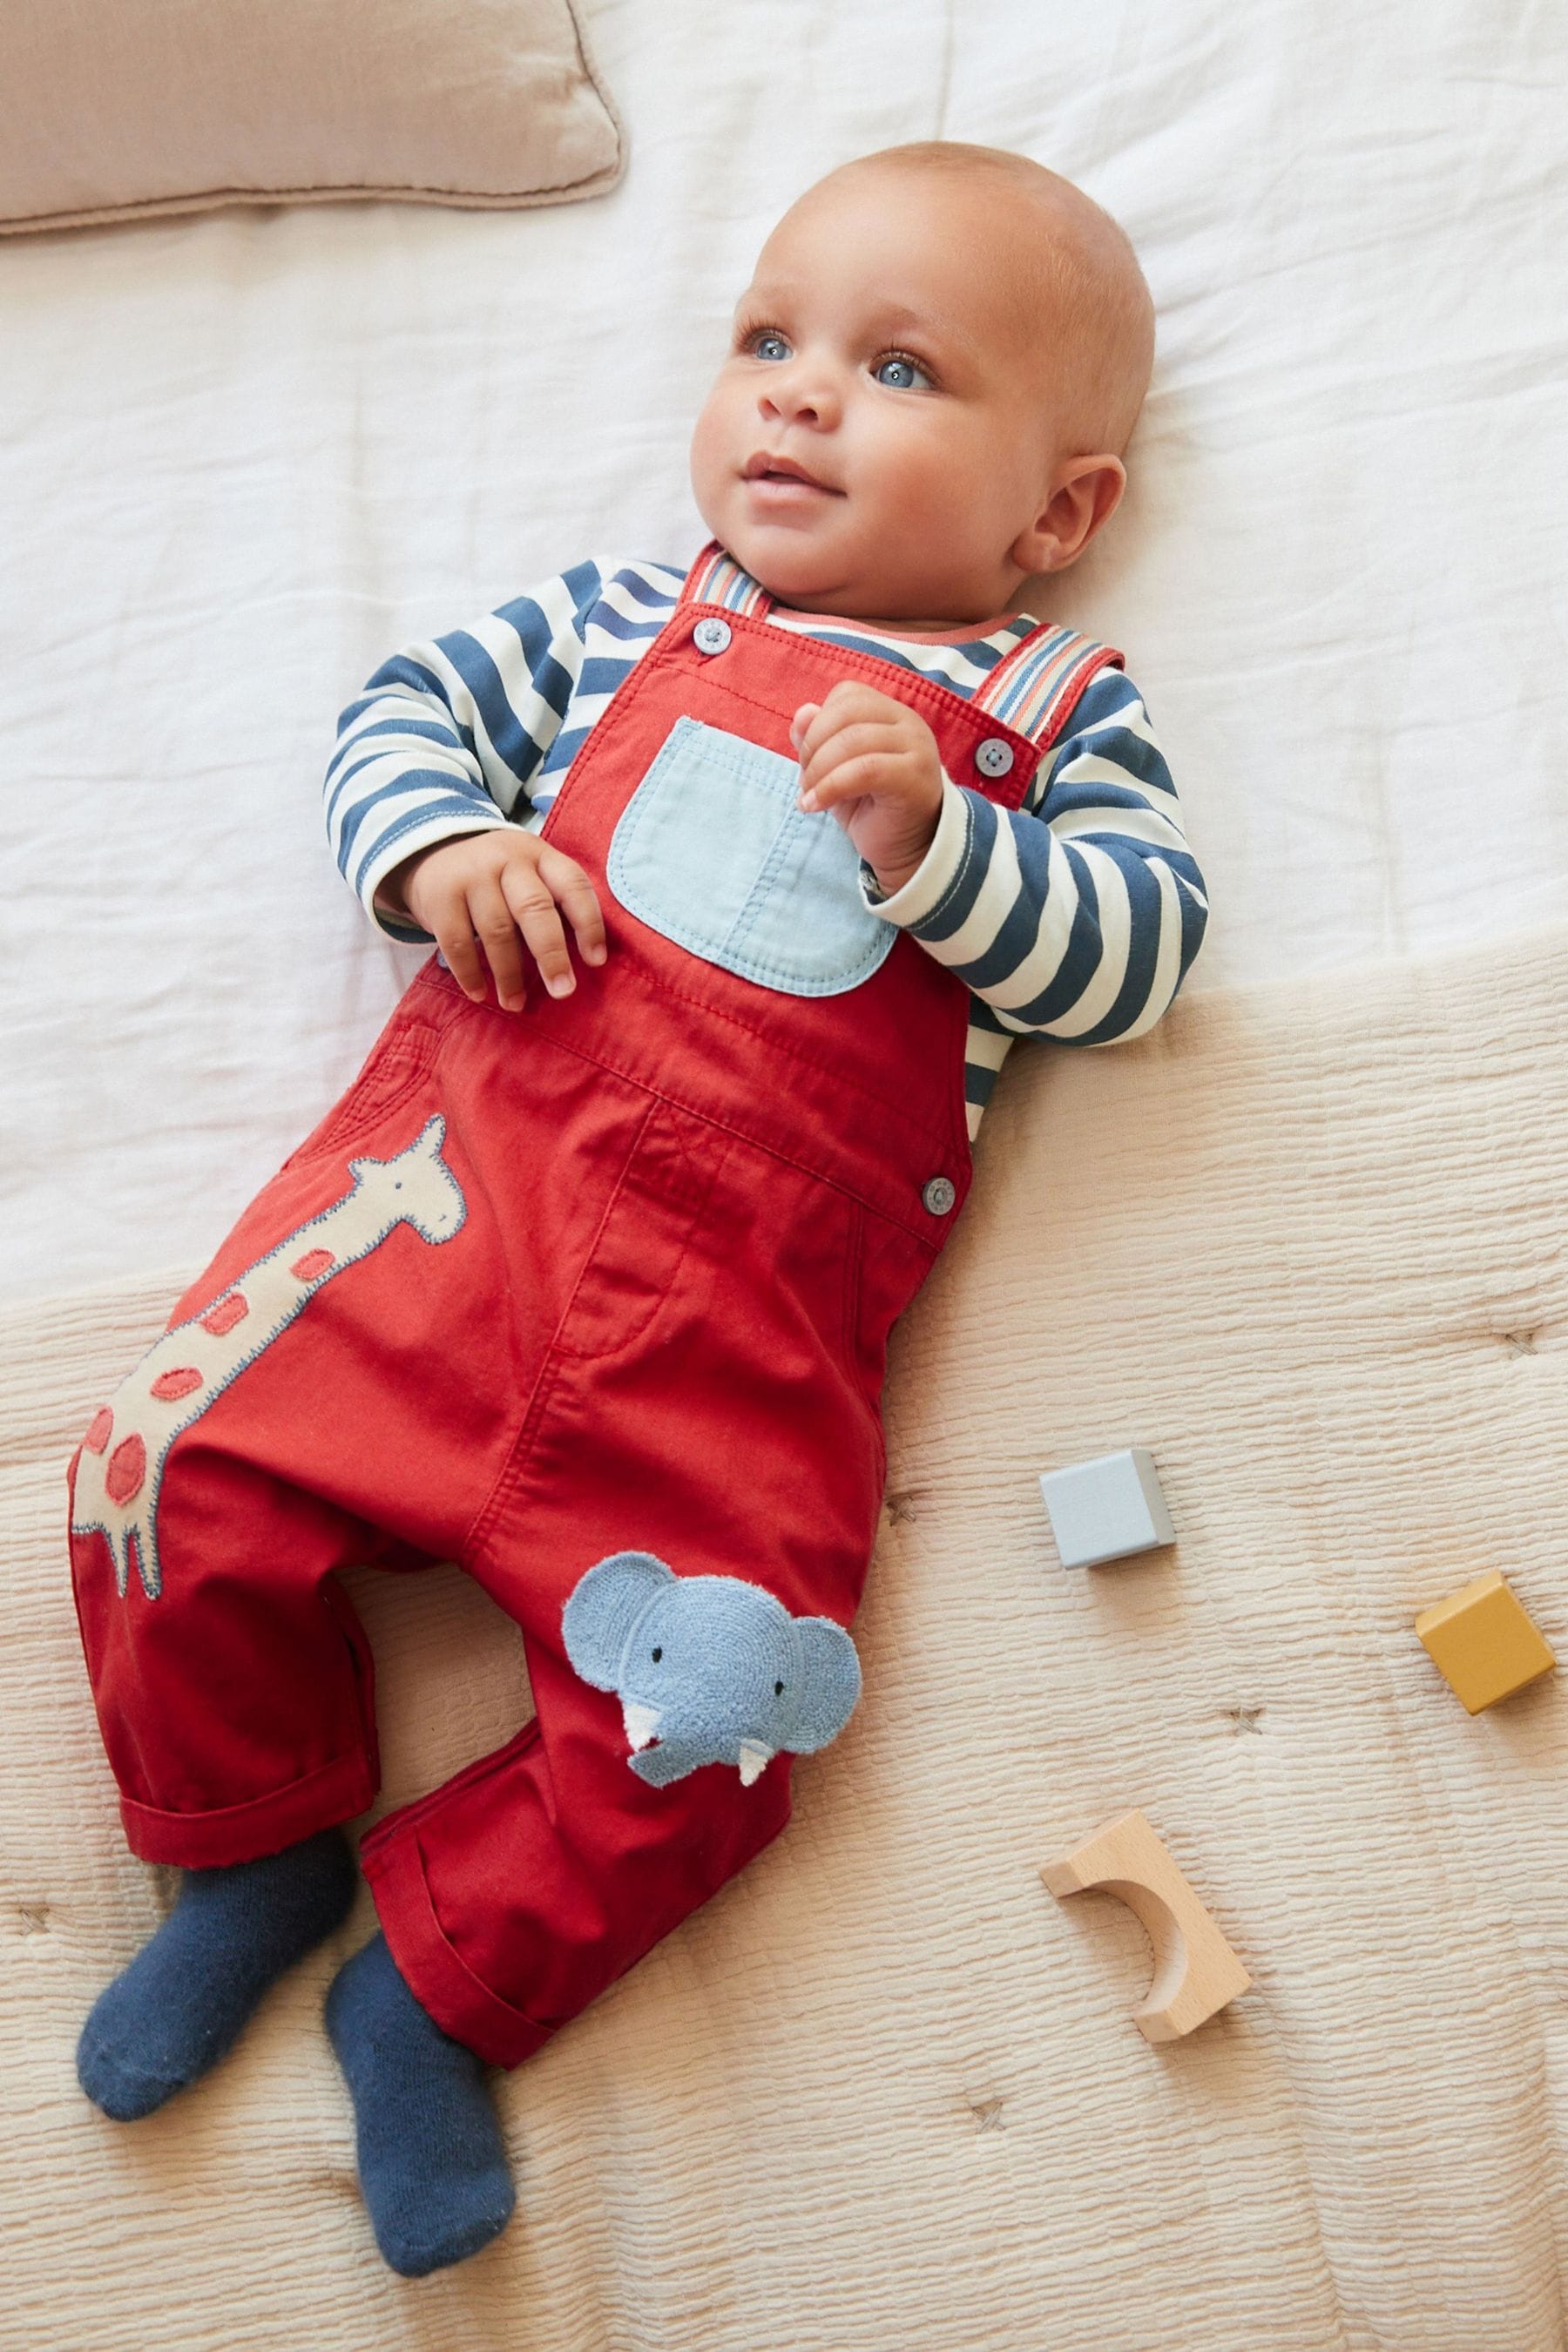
(612, 1274)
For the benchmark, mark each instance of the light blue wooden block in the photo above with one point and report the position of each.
(1107, 1509)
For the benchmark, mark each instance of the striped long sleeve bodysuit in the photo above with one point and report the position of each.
(1056, 916)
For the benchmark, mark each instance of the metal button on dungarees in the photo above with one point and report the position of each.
(710, 636)
(939, 1196)
(994, 758)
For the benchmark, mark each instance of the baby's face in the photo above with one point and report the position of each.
(888, 347)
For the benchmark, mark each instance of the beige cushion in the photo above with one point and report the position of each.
(130, 107)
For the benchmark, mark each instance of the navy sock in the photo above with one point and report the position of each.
(185, 1997)
(432, 2162)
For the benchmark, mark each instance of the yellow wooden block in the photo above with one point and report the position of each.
(1484, 1641)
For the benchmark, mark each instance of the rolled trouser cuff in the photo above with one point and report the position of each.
(436, 1975)
(334, 1792)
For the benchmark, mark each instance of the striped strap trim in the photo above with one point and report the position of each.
(717, 579)
(1034, 689)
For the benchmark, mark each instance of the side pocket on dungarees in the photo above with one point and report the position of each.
(888, 1267)
(401, 1058)
(636, 1257)
(855, 1243)
(862, 1358)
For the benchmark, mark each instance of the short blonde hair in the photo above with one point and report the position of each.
(1090, 282)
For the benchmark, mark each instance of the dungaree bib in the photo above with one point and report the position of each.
(609, 1280)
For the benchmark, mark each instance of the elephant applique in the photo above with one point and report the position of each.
(707, 1669)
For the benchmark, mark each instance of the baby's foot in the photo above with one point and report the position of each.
(432, 2162)
(185, 1997)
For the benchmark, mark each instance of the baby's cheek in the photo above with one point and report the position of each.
(710, 444)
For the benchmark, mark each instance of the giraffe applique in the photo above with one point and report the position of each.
(120, 1468)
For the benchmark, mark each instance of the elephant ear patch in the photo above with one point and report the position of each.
(708, 1669)
(604, 1605)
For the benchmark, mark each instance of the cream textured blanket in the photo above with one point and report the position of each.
(884, 2093)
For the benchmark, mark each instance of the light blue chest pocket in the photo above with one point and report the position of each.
(712, 851)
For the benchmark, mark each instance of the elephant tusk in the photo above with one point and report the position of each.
(641, 1723)
(753, 1756)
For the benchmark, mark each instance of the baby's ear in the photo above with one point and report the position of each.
(1086, 493)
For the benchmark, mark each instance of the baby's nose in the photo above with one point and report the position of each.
(809, 398)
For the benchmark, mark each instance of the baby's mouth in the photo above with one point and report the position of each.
(782, 480)
(786, 493)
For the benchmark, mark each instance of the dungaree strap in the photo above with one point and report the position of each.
(716, 578)
(1033, 690)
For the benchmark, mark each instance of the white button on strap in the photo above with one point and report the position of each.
(994, 758)
(712, 637)
(939, 1196)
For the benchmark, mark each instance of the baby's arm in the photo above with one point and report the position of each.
(1076, 917)
(431, 766)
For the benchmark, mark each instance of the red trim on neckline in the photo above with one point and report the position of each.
(977, 629)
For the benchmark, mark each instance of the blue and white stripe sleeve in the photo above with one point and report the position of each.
(1076, 917)
(447, 736)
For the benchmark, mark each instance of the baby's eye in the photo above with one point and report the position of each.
(759, 344)
(899, 360)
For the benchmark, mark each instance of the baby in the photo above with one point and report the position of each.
(588, 1287)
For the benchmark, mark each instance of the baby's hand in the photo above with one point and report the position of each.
(875, 763)
(482, 890)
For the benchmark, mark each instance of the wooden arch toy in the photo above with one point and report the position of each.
(1195, 1971)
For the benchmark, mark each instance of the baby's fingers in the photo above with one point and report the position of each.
(801, 721)
(497, 937)
(454, 934)
(853, 752)
(576, 894)
(527, 899)
(815, 724)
